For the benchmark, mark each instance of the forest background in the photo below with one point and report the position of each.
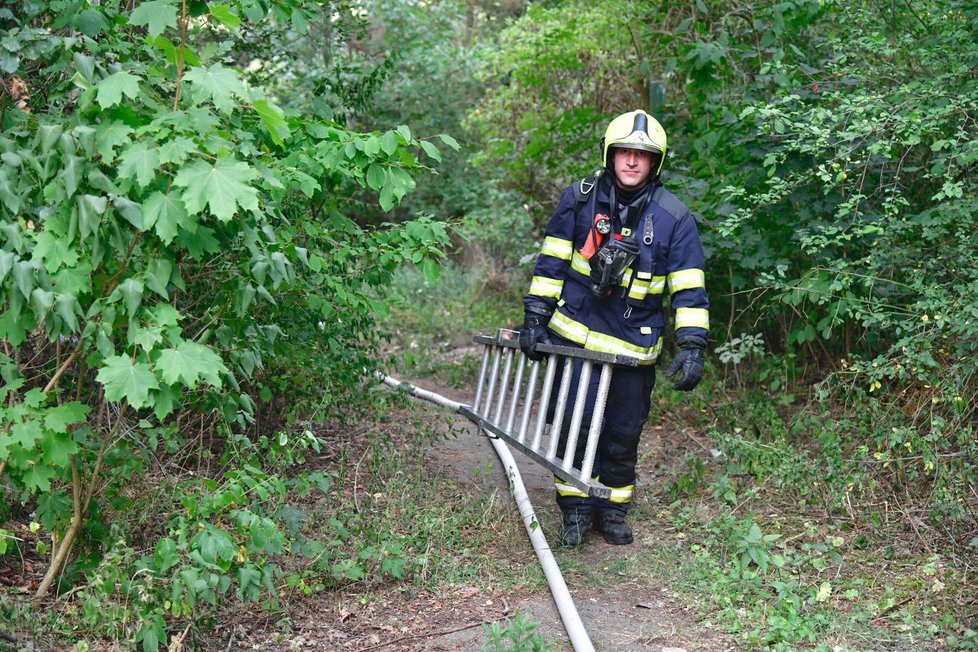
(220, 218)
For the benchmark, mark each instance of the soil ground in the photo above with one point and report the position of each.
(640, 612)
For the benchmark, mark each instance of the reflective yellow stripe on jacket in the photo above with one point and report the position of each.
(594, 341)
(557, 247)
(692, 317)
(685, 279)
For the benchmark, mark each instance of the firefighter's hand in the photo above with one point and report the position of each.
(690, 361)
(534, 332)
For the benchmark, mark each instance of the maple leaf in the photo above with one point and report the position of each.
(157, 15)
(140, 162)
(112, 88)
(222, 186)
(218, 84)
(125, 379)
(168, 214)
(188, 363)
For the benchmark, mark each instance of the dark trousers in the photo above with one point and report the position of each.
(626, 411)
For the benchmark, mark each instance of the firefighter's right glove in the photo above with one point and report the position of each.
(534, 332)
(690, 361)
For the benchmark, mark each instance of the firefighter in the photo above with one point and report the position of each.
(616, 244)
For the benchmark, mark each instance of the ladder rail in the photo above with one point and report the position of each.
(504, 393)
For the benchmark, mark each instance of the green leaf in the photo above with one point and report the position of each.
(376, 176)
(273, 120)
(59, 417)
(58, 449)
(55, 251)
(405, 133)
(217, 83)
(141, 162)
(168, 214)
(90, 208)
(430, 269)
(222, 186)
(448, 140)
(132, 294)
(388, 142)
(431, 150)
(66, 306)
(227, 17)
(24, 277)
(176, 150)
(38, 478)
(158, 276)
(156, 15)
(112, 88)
(26, 434)
(188, 363)
(124, 379)
(110, 135)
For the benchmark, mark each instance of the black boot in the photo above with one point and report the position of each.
(612, 526)
(575, 523)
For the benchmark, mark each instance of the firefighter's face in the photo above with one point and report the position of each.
(632, 167)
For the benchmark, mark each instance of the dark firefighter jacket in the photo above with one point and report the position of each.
(632, 320)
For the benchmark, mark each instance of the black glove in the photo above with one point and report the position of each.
(691, 361)
(534, 332)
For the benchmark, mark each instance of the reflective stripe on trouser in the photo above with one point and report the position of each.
(629, 400)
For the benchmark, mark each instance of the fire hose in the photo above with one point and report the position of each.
(576, 632)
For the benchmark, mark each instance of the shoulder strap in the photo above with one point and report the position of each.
(669, 203)
(586, 185)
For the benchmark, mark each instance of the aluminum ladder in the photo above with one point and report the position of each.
(503, 394)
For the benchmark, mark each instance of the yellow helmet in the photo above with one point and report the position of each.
(635, 130)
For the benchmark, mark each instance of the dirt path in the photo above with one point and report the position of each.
(639, 614)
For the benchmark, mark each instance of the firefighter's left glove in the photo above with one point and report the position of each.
(690, 361)
(534, 332)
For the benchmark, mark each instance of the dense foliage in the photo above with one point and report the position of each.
(203, 205)
(175, 255)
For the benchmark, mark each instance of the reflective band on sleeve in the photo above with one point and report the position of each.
(557, 248)
(685, 279)
(580, 264)
(692, 317)
(541, 286)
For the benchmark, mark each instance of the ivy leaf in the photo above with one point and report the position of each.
(218, 84)
(112, 88)
(58, 418)
(140, 162)
(156, 15)
(66, 306)
(168, 214)
(54, 251)
(223, 186)
(125, 379)
(132, 294)
(90, 208)
(188, 363)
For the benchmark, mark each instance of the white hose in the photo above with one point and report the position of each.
(558, 587)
